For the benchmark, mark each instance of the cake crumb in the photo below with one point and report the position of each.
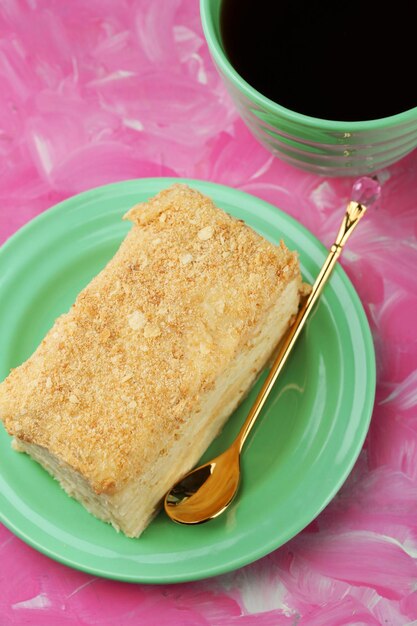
(205, 233)
(185, 259)
(136, 320)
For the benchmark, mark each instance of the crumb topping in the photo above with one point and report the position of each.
(127, 365)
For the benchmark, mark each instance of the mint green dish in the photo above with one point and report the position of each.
(299, 454)
(327, 147)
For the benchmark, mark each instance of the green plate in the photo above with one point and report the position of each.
(299, 454)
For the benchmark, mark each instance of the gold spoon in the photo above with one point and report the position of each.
(206, 491)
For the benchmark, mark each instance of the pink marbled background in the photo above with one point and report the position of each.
(99, 91)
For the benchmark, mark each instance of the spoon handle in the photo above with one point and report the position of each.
(354, 212)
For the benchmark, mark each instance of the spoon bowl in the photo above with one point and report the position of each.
(204, 493)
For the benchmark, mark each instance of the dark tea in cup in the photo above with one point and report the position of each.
(327, 59)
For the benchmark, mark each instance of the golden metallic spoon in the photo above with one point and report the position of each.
(207, 491)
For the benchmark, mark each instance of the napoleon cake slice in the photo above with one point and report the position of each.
(129, 388)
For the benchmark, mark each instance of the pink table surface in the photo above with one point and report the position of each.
(100, 91)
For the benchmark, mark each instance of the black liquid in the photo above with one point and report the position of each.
(334, 59)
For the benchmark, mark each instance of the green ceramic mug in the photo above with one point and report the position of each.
(322, 146)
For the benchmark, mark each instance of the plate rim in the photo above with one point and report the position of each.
(370, 369)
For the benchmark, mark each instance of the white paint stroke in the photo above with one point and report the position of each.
(40, 601)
